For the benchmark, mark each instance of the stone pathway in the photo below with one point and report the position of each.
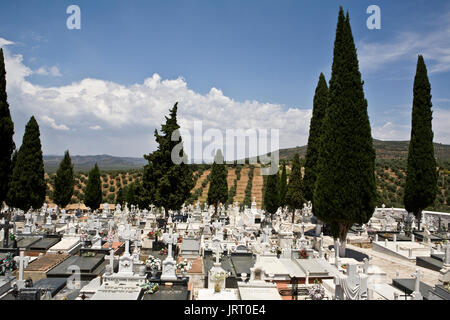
(391, 265)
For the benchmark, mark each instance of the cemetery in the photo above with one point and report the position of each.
(338, 223)
(199, 263)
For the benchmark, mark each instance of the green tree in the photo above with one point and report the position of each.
(93, 195)
(218, 186)
(315, 131)
(120, 198)
(167, 178)
(294, 194)
(421, 173)
(271, 194)
(7, 145)
(283, 186)
(64, 182)
(345, 189)
(27, 187)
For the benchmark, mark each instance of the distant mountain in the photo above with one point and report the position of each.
(384, 150)
(104, 161)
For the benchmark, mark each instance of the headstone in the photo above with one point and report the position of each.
(416, 295)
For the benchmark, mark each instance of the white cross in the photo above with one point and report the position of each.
(111, 259)
(23, 263)
(418, 275)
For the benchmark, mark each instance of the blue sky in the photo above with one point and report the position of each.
(232, 64)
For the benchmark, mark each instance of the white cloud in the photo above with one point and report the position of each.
(52, 123)
(119, 110)
(53, 71)
(4, 42)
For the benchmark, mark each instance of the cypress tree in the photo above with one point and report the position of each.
(218, 185)
(120, 198)
(93, 195)
(27, 187)
(167, 184)
(345, 189)
(283, 186)
(315, 132)
(271, 194)
(64, 182)
(7, 145)
(294, 196)
(421, 174)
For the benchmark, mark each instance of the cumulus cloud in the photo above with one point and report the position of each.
(122, 110)
(52, 123)
(52, 71)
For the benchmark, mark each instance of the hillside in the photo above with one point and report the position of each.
(105, 162)
(384, 150)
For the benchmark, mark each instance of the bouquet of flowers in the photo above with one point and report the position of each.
(184, 265)
(163, 252)
(151, 235)
(316, 292)
(6, 264)
(153, 263)
(150, 287)
(303, 254)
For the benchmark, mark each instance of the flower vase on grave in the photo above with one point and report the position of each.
(154, 273)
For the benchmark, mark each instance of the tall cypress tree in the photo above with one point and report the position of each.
(93, 196)
(294, 195)
(345, 189)
(64, 182)
(282, 186)
(7, 145)
(271, 194)
(27, 187)
(121, 196)
(315, 131)
(166, 183)
(218, 185)
(421, 174)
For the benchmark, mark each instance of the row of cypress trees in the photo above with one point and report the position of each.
(340, 160)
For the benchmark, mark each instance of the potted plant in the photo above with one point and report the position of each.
(154, 264)
(184, 266)
(219, 277)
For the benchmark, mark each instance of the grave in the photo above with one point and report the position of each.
(407, 286)
(69, 245)
(39, 268)
(88, 267)
(408, 250)
(172, 291)
(53, 285)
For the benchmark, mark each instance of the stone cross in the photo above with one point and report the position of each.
(111, 260)
(23, 263)
(170, 239)
(416, 294)
(217, 255)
